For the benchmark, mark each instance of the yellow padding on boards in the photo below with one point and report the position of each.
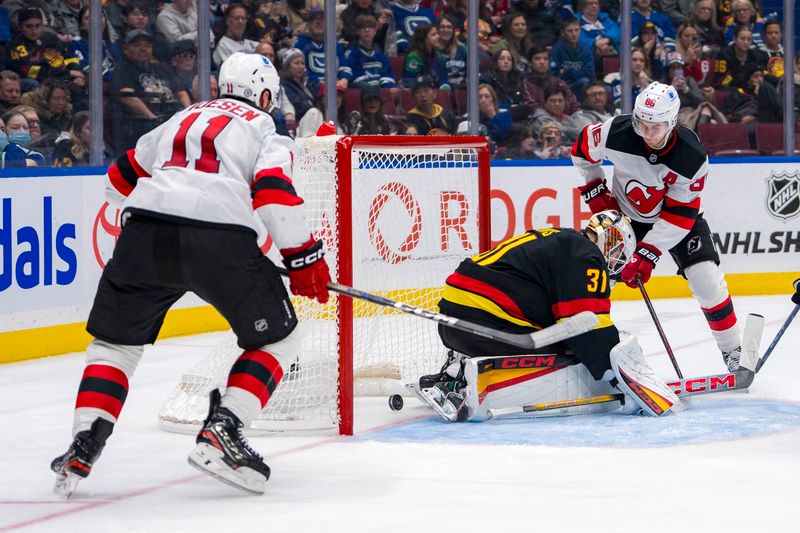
(738, 285)
(27, 344)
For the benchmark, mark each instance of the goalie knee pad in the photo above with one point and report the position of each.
(636, 379)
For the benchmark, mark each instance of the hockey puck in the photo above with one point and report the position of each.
(395, 402)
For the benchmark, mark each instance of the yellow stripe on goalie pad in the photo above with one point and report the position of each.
(657, 398)
(500, 378)
(470, 299)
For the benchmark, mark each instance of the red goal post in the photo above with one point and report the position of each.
(397, 214)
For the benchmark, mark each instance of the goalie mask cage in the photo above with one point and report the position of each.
(397, 215)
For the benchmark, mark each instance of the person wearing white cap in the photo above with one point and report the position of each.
(660, 171)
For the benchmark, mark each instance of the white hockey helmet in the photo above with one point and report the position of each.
(247, 76)
(613, 234)
(658, 102)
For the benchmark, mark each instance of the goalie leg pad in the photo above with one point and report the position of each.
(513, 382)
(637, 380)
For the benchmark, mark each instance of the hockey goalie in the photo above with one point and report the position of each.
(525, 284)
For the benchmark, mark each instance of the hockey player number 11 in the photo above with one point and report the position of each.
(207, 162)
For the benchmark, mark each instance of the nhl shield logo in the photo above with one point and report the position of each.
(783, 195)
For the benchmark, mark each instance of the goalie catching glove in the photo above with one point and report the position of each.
(641, 264)
(597, 196)
(308, 271)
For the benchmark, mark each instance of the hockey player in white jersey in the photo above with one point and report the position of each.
(660, 170)
(188, 192)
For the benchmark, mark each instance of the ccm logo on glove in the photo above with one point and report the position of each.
(308, 271)
(314, 254)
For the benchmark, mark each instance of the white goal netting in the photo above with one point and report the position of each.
(413, 218)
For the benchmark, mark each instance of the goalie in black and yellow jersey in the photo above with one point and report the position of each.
(528, 283)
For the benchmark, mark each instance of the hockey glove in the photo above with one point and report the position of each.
(308, 271)
(641, 264)
(597, 196)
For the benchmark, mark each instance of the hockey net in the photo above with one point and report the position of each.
(397, 215)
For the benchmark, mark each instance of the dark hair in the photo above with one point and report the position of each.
(236, 5)
(517, 133)
(366, 21)
(537, 49)
(772, 22)
(554, 88)
(85, 34)
(569, 20)
(419, 38)
(739, 29)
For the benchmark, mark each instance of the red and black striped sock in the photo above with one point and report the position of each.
(256, 372)
(103, 387)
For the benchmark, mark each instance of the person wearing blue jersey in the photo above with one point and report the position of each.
(367, 65)
(570, 59)
(408, 14)
(643, 12)
(312, 44)
(598, 29)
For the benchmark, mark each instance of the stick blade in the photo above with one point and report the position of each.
(571, 327)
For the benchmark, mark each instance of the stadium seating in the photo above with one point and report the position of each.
(610, 64)
(726, 139)
(352, 101)
(397, 63)
(769, 139)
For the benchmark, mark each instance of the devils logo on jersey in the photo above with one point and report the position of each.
(646, 200)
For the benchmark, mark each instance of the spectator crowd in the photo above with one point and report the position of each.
(547, 67)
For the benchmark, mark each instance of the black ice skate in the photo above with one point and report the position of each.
(76, 463)
(449, 373)
(222, 452)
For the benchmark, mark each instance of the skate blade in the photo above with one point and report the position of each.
(208, 460)
(65, 485)
(434, 398)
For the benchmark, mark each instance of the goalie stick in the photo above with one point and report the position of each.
(571, 327)
(739, 380)
(657, 322)
(796, 301)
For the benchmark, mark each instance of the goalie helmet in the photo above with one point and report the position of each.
(658, 102)
(247, 76)
(611, 231)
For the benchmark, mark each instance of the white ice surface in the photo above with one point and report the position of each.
(729, 463)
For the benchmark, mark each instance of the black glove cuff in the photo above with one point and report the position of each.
(304, 258)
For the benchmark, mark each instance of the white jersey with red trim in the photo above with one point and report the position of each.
(660, 187)
(215, 162)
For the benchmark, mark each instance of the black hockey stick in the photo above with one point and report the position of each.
(571, 327)
(796, 300)
(739, 380)
(658, 327)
